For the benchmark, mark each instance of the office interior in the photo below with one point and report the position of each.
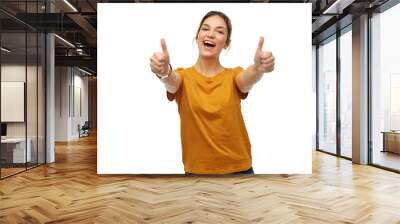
(47, 81)
(49, 86)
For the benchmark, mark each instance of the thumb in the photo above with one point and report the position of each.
(164, 46)
(260, 44)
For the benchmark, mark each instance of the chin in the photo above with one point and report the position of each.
(209, 54)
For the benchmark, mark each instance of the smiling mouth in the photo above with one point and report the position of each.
(209, 44)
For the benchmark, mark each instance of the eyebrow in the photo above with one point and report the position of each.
(218, 27)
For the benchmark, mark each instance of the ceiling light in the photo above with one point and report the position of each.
(64, 40)
(338, 6)
(84, 71)
(70, 5)
(5, 49)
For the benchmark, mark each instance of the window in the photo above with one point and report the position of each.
(346, 92)
(327, 96)
(385, 88)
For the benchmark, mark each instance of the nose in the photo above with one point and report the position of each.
(210, 34)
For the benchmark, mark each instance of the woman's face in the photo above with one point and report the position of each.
(212, 37)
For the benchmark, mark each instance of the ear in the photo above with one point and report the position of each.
(227, 44)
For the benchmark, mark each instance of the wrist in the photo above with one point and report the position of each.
(162, 77)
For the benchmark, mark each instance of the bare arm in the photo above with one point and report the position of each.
(264, 62)
(246, 79)
(172, 82)
(159, 64)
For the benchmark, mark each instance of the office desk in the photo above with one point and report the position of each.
(13, 150)
(391, 141)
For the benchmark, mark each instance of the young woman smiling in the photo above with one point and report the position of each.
(213, 133)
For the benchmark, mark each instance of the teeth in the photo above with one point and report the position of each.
(209, 42)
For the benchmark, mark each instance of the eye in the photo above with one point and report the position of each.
(204, 29)
(221, 32)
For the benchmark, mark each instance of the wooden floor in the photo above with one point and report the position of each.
(70, 191)
(5, 172)
(387, 159)
(8, 171)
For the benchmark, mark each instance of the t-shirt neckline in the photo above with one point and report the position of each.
(208, 78)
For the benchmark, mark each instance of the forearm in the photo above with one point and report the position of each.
(248, 78)
(172, 82)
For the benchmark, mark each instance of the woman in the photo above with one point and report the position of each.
(213, 134)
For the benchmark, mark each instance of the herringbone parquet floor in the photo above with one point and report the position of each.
(70, 191)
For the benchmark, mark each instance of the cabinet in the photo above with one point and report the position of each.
(391, 141)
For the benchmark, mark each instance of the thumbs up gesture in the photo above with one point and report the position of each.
(264, 61)
(159, 62)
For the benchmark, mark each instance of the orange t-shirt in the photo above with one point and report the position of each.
(213, 134)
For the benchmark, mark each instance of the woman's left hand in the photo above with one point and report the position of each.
(264, 61)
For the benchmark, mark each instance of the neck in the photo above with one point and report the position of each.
(208, 66)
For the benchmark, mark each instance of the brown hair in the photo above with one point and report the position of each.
(224, 17)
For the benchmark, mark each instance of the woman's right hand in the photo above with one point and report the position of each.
(159, 62)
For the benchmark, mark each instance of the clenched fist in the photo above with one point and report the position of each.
(264, 61)
(159, 62)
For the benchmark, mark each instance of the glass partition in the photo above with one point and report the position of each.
(32, 95)
(385, 89)
(41, 85)
(14, 153)
(346, 93)
(22, 77)
(327, 96)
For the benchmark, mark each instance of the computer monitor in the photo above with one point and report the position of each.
(3, 129)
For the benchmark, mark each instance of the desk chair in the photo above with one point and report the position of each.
(84, 130)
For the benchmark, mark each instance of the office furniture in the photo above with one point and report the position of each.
(13, 150)
(391, 141)
(84, 130)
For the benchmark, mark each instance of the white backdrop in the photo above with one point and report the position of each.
(138, 128)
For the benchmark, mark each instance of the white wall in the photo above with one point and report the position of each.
(80, 118)
(70, 83)
(15, 73)
(61, 103)
(12, 73)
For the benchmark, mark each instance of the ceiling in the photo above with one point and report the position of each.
(76, 22)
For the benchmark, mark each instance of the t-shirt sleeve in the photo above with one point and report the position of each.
(172, 96)
(236, 71)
